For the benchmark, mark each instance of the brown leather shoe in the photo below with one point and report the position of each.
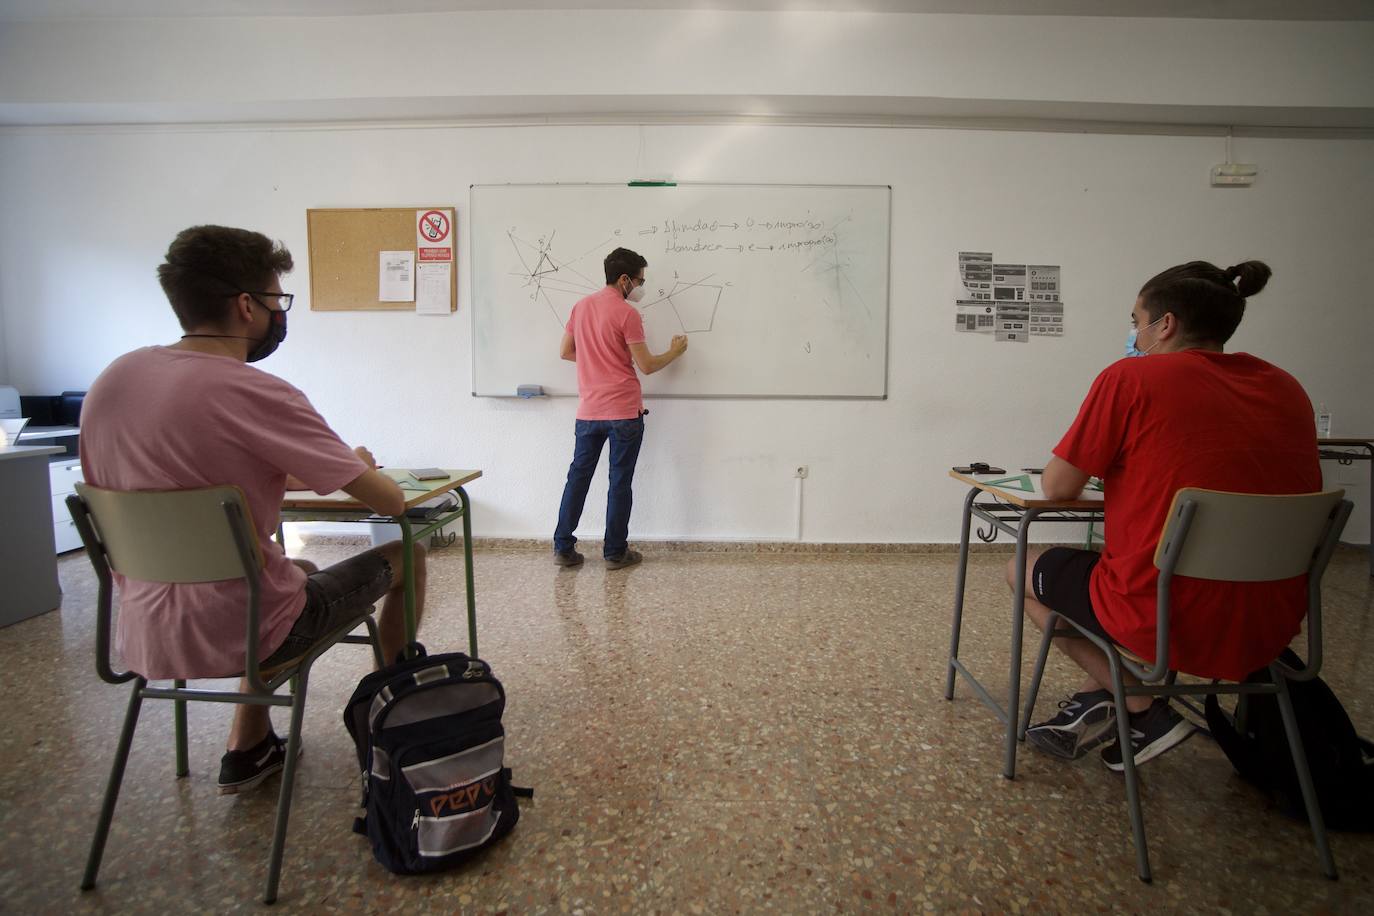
(567, 558)
(628, 558)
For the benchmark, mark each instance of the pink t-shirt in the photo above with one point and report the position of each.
(164, 419)
(603, 326)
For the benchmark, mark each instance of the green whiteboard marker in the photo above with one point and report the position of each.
(653, 184)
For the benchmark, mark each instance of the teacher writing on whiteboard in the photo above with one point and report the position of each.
(605, 337)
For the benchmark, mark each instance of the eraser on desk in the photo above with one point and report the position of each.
(529, 391)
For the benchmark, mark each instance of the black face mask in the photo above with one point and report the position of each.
(276, 333)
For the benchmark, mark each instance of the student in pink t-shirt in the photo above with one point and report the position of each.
(194, 414)
(605, 337)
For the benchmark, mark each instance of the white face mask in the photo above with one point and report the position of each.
(636, 293)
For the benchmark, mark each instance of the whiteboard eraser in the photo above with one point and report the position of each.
(529, 391)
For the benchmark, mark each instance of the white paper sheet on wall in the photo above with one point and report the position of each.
(975, 269)
(432, 287)
(396, 276)
(1012, 302)
(972, 315)
(1043, 282)
(1013, 322)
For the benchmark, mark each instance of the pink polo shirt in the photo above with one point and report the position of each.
(164, 419)
(603, 326)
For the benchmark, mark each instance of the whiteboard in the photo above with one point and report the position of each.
(782, 290)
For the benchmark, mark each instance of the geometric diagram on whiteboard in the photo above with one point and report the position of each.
(839, 264)
(551, 279)
(693, 304)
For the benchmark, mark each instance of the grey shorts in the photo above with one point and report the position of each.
(333, 597)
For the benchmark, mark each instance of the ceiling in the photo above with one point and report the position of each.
(1310, 10)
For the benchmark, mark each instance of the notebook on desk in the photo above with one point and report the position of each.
(12, 427)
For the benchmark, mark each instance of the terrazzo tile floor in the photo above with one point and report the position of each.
(707, 733)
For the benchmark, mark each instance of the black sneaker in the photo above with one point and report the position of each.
(1153, 732)
(569, 557)
(1085, 720)
(240, 771)
(628, 558)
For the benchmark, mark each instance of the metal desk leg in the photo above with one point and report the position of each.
(1018, 622)
(467, 567)
(408, 574)
(959, 578)
(1369, 447)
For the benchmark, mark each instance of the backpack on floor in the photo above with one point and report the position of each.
(430, 747)
(1341, 762)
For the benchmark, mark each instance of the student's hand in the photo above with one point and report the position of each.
(679, 344)
(363, 453)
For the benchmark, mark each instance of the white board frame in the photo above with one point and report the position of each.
(887, 303)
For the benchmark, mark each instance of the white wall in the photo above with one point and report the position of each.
(85, 216)
(86, 213)
(494, 63)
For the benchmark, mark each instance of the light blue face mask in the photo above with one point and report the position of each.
(1130, 340)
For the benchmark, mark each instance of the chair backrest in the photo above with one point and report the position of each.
(1244, 537)
(174, 536)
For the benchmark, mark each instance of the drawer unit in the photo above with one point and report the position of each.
(64, 475)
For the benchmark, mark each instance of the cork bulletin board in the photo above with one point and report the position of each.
(344, 247)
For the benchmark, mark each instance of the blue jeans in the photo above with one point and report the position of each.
(625, 436)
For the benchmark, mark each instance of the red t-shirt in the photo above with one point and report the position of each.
(1194, 418)
(603, 326)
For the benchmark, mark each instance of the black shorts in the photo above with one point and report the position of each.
(1060, 582)
(333, 597)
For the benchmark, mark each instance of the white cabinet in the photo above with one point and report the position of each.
(64, 474)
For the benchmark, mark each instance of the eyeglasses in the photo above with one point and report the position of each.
(284, 299)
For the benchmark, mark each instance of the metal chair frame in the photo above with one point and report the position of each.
(263, 685)
(1174, 539)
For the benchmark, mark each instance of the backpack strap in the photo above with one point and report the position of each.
(1241, 750)
(517, 791)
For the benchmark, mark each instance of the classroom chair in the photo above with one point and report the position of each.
(184, 536)
(1235, 537)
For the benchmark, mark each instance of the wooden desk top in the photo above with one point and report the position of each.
(28, 451)
(1367, 440)
(1011, 488)
(417, 491)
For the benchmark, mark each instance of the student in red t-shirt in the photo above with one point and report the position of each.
(605, 337)
(1191, 415)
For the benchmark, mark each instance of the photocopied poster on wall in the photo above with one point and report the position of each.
(396, 276)
(433, 283)
(1011, 302)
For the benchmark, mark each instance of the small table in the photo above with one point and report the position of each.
(1012, 503)
(1338, 450)
(28, 562)
(305, 506)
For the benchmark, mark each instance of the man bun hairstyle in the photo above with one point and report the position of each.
(623, 261)
(1207, 301)
(206, 266)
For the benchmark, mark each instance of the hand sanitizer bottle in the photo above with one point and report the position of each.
(1323, 422)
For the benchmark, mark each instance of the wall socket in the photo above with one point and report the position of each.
(802, 471)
